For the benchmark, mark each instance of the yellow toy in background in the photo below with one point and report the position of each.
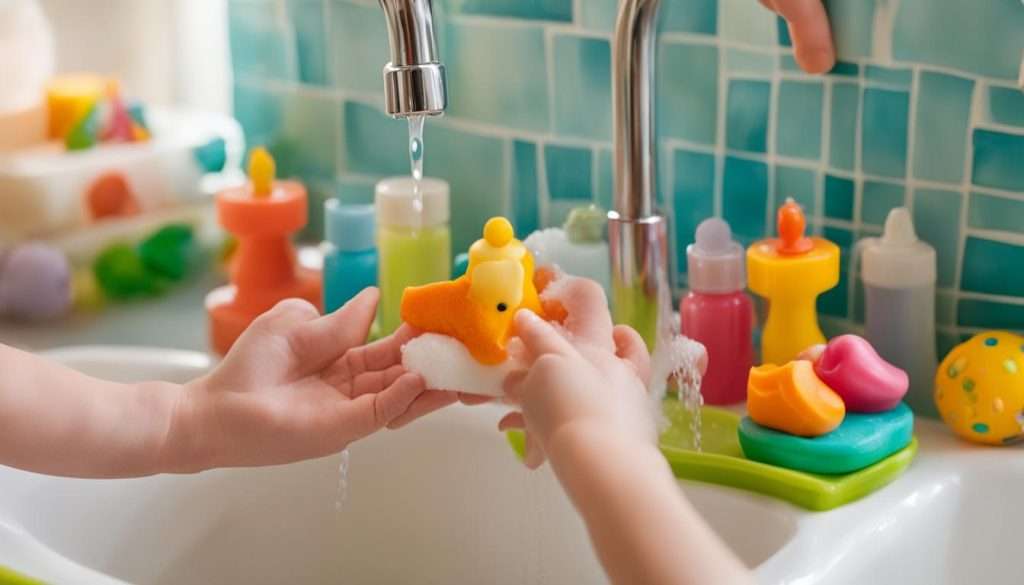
(477, 308)
(979, 388)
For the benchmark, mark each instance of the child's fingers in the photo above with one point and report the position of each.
(425, 403)
(373, 411)
(812, 37)
(319, 342)
(512, 420)
(473, 399)
(374, 381)
(588, 318)
(539, 337)
(511, 385)
(379, 355)
(631, 347)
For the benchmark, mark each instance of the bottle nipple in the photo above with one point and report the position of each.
(261, 172)
(899, 229)
(792, 225)
(713, 237)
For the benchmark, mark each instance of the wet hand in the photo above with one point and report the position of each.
(297, 386)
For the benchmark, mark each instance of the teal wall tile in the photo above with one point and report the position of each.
(518, 97)
(946, 341)
(259, 41)
(375, 144)
(843, 130)
(878, 198)
(747, 115)
(839, 195)
(605, 179)
(525, 188)
(788, 63)
(1006, 105)
(558, 10)
(884, 132)
(853, 31)
(987, 35)
(307, 17)
(836, 301)
(798, 184)
(990, 212)
(943, 112)
(990, 315)
(745, 197)
(993, 267)
(474, 166)
(259, 111)
(687, 92)
(355, 191)
(889, 75)
(583, 84)
(845, 69)
(998, 160)
(359, 46)
(747, 23)
(599, 15)
(937, 220)
(569, 171)
(690, 16)
(559, 210)
(750, 62)
(693, 190)
(798, 129)
(306, 144)
(785, 39)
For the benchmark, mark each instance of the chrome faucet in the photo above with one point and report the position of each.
(414, 79)
(637, 235)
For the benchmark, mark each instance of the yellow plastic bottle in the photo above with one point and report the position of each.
(790, 272)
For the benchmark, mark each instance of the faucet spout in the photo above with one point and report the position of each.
(637, 235)
(415, 83)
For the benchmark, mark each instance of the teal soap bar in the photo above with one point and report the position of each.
(860, 441)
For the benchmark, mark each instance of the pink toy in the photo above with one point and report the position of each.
(866, 382)
(717, 313)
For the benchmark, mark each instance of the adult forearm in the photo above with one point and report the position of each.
(57, 421)
(643, 528)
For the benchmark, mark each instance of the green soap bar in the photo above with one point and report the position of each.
(83, 135)
(170, 251)
(861, 440)
(721, 461)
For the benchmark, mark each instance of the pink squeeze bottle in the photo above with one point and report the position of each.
(718, 313)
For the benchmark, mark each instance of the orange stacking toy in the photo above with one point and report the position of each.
(477, 308)
(262, 215)
(792, 399)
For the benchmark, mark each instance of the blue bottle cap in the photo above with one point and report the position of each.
(351, 228)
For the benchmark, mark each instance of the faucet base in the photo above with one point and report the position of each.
(639, 262)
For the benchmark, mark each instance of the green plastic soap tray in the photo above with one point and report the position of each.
(721, 461)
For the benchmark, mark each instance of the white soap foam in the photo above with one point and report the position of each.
(446, 364)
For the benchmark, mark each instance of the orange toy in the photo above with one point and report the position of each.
(792, 399)
(477, 308)
(262, 215)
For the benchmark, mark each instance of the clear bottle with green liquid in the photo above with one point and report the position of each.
(413, 240)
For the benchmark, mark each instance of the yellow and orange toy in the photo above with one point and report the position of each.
(792, 399)
(477, 308)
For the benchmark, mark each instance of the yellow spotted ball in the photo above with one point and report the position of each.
(979, 388)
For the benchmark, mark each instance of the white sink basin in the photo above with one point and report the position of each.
(445, 501)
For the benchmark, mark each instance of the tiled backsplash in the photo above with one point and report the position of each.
(923, 110)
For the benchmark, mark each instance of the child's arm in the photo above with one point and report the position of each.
(586, 409)
(809, 29)
(294, 386)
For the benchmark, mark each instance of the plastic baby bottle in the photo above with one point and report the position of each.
(899, 275)
(413, 242)
(718, 313)
(350, 252)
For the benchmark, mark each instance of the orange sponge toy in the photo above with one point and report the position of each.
(477, 308)
(792, 399)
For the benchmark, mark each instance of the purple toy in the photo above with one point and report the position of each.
(35, 283)
(866, 382)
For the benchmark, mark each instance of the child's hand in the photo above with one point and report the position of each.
(809, 28)
(297, 386)
(592, 381)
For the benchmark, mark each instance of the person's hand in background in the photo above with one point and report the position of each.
(809, 29)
